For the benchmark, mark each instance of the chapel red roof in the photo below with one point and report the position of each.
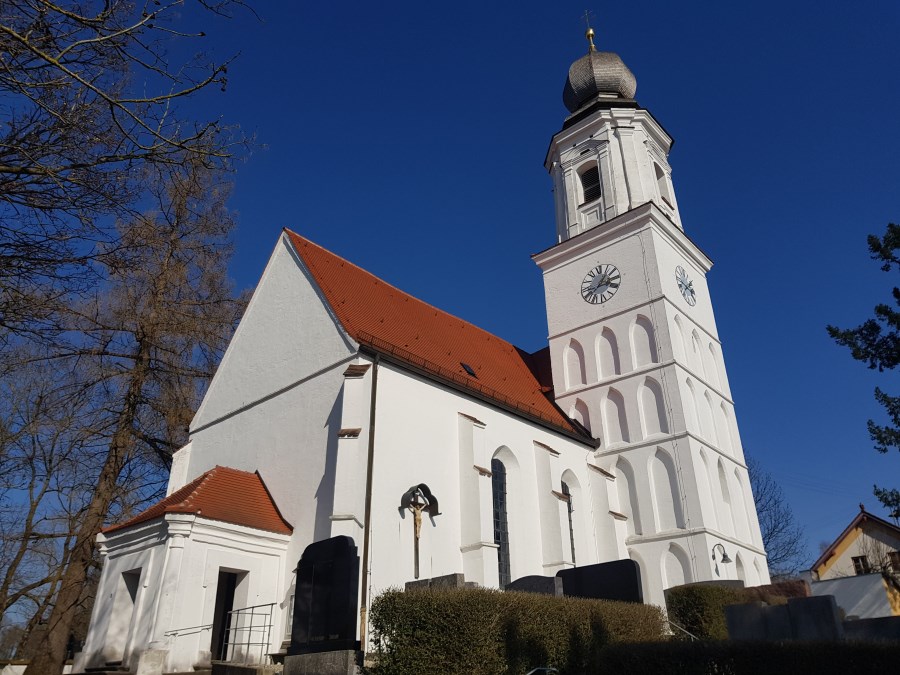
(376, 314)
(222, 493)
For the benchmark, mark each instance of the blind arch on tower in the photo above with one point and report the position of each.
(676, 567)
(614, 419)
(580, 413)
(727, 520)
(576, 374)
(667, 496)
(653, 408)
(608, 354)
(643, 343)
(628, 501)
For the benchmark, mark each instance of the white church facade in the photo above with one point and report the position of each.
(338, 392)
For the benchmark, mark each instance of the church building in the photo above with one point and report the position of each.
(340, 394)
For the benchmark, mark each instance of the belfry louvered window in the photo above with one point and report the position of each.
(590, 184)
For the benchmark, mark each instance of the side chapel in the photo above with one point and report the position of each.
(339, 391)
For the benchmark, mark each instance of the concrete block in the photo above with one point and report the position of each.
(152, 662)
(344, 662)
(225, 668)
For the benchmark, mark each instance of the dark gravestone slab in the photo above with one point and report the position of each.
(815, 618)
(325, 602)
(617, 580)
(537, 584)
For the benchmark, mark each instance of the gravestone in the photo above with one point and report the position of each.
(537, 584)
(617, 580)
(326, 598)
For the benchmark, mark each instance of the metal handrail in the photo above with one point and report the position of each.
(542, 669)
(693, 637)
(233, 628)
(178, 631)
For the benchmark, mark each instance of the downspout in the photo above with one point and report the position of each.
(367, 527)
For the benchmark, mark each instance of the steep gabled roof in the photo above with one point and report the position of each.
(392, 322)
(860, 520)
(224, 494)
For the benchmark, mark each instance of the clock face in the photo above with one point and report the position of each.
(600, 284)
(686, 286)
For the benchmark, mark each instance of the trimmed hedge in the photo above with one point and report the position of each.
(700, 608)
(485, 632)
(752, 658)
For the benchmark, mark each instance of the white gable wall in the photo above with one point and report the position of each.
(286, 335)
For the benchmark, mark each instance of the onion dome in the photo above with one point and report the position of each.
(597, 75)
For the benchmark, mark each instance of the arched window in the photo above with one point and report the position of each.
(590, 185)
(501, 523)
(570, 509)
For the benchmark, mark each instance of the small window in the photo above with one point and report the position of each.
(861, 565)
(590, 184)
(466, 367)
(894, 558)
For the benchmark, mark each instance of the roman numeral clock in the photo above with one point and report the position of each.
(600, 284)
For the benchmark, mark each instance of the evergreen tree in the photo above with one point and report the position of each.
(877, 343)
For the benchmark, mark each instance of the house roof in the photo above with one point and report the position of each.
(862, 518)
(224, 494)
(394, 323)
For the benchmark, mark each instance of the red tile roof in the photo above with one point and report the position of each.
(376, 314)
(222, 493)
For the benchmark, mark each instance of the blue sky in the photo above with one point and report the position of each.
(409, 138)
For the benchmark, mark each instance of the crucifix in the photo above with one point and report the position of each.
(417, 499)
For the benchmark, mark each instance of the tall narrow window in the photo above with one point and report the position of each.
(590, 184)
(570, 508)
(501, 525)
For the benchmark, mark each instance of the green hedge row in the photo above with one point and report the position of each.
(700, 609)
(480, 631)
(751, 658)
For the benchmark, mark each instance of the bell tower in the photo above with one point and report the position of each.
(635, 353)
(611, 155)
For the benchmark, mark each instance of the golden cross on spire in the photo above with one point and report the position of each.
(589, 33)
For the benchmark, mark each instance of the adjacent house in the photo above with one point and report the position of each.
(861, 568)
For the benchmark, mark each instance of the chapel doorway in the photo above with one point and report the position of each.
(122, 614)
(228, 586)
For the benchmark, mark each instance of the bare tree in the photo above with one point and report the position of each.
(88, 97)
(44, 450)
(148, 343)
(783, 538)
